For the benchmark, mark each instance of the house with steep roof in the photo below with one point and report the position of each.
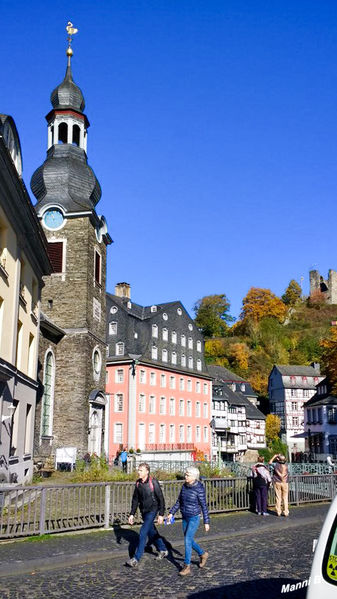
(157, 382)
(238, 426)
(220, 374)
(320, 422)
(290, 387)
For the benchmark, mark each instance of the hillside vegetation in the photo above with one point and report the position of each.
(270, 331)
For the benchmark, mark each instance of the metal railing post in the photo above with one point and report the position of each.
(332, 487)
(43, 500)
(297, 498)
(107, 506)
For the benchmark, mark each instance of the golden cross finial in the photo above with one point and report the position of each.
(71, 30)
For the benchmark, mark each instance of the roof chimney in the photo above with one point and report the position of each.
(123, 290)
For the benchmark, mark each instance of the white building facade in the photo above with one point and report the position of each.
(289, 388)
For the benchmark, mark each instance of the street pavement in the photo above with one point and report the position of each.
(250, 557)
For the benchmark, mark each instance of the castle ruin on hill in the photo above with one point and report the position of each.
(326, 288)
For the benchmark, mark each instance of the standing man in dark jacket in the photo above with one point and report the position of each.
(191, 502)
(148, 496)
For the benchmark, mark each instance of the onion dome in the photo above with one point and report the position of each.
(68, 94)
(66, 179)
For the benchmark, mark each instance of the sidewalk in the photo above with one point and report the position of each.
(71, 549)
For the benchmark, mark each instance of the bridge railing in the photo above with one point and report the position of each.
(37, 510)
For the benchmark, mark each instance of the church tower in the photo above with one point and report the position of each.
(71, 411)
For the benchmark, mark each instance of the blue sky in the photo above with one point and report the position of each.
(213, 133)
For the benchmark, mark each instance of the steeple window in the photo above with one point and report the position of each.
(76, 135)
(55, 253)
(63, 133)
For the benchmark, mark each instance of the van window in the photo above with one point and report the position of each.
(330, 557)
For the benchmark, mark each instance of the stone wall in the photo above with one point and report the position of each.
(77, 304)
(321, 288)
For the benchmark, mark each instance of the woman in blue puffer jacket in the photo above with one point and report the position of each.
(191, 502)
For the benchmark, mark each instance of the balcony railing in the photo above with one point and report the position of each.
(169, 446)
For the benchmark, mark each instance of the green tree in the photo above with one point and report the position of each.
(212, 315)
(292, 294)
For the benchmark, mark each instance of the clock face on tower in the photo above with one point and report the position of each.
(53, 218)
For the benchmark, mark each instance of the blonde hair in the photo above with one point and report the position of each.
(193, 471)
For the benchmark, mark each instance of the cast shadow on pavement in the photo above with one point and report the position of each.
(270, 588)
(132, 537)
(126, 534)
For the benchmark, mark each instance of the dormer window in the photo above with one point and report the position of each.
(112, 328)
(153, 308)
(120, 349)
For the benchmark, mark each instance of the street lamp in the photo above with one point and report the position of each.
(135, 361)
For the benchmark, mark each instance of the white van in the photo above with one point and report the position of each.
(323, 577)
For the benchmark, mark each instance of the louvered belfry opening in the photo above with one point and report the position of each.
(55, 253)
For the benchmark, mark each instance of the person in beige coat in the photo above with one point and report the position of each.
(281, 483)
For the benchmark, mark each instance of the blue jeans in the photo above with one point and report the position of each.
(148, 529)
(190, 527)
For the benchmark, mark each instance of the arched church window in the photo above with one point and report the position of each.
(76, 135)
(48, 395)
(63, 133)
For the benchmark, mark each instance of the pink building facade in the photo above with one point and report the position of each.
(157, 384)
(158, 411)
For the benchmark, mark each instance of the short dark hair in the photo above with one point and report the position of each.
(146, 465)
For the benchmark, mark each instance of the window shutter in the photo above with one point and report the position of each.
(55, 253)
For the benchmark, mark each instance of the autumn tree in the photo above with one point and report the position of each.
(239, 355)
(259, 382)
(273, 427)
(329, 359)
(292, 294)
(262, 303)
(212, 315)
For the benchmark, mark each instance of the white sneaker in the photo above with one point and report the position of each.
(132, 563)
(161, 555)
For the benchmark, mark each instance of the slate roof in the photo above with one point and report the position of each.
(237, 399)
(294, 370)
(68, 94)
(65, 179)
(317, 400)
(223, 375)
(134, 329)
